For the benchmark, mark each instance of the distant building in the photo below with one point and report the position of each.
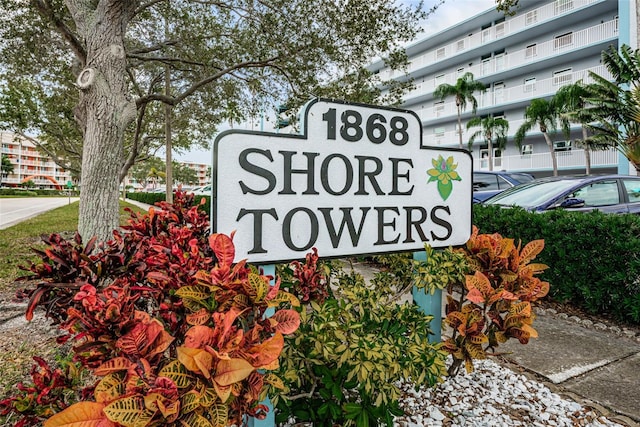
(201, 170)
(545, 45)
(30, 165)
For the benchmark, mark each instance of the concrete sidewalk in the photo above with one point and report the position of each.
(591, 363)
(596, 364)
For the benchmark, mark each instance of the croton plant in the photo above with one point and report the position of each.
(172, 330)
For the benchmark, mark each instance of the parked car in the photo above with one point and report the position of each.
(203, 191)
(606, 193)
(489, 183)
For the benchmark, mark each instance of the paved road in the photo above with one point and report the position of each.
(15, 210)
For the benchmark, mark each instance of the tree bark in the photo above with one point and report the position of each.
(103, 111)
(554, 159)
(459, 124)
(587, 152)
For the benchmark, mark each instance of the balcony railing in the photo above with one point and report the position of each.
(498, 31)
(572, 159)
(533, 53)
(507, 95)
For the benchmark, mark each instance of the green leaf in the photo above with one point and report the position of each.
(445, 189)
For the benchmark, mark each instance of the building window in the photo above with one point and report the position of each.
(530, 85)
(500, 30)
(499, 61)
(438, 108)
(563, 6)
(531, 17)
(486, 67)
(498, 93)
(527, 149)
(460, 45)
(460, 71)
(439, 79)
(562, 77)
(486, 35)
(440, 53)
(531, 51)
(438, 132)
(563, 41)
(561, 145)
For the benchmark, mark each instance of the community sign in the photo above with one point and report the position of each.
(358, 180)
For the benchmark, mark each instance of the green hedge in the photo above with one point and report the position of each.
(594, 258)
(153, 198)
(34, 192)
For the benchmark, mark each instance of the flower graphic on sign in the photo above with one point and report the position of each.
(444, 172)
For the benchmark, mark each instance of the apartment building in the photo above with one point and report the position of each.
(202, 172)
(545, 45)
(30, 165)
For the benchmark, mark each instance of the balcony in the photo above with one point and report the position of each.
(514, 25)
(524, 57)
(503, 96)
(573, 159)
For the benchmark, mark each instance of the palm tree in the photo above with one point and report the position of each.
(614, 107)
(155, 174)
(7, 166)
(542, 113)
(490, 127)
(571, 101)
(463, 92)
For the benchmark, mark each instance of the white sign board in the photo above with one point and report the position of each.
(357, 181)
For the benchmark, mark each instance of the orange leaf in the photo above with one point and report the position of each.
(196, 360)
(530, 251)
(200, 317)
(116, 364)
(268, 351)
(81, 414)
(475, 296)
(199, 337)
(223, 248)
(232, 371)
(223, 392)
(288, 321)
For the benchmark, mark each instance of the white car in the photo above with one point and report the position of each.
(202, 191)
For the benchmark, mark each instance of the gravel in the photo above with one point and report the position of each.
(490, 396)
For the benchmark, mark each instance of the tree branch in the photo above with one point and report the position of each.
(46, 12)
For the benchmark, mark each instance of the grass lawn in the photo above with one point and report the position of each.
(16, 241)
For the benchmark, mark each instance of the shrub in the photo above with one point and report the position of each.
(353, 344)
(153, 198)
(173, 332)
(593, 256)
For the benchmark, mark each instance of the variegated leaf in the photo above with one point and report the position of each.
(125, 411)
(196, 293)
(110, 387)
(81, 414)
(177, 373)
(219, 415)
(190, 401)
(259, 286)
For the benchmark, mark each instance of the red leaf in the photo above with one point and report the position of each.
(223, 247)
(288, 321)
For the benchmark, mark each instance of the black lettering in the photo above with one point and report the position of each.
(286, 229)
(256, 170)
(324, 175)
(441, 222)
(346, 220)
(371, 175)
(415, 223)
(288, 171)
(396, 174)
(382, 224)
(257, 226)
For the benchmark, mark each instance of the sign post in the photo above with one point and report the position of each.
(358, 180)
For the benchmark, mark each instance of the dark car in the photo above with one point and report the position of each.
(489, 183)
(606, 193)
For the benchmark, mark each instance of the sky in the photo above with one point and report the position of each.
(446, 15)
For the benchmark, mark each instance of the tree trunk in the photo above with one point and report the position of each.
(103, 111)
(587, 152)
(490, 146)
(554, 160)
(459, 124)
